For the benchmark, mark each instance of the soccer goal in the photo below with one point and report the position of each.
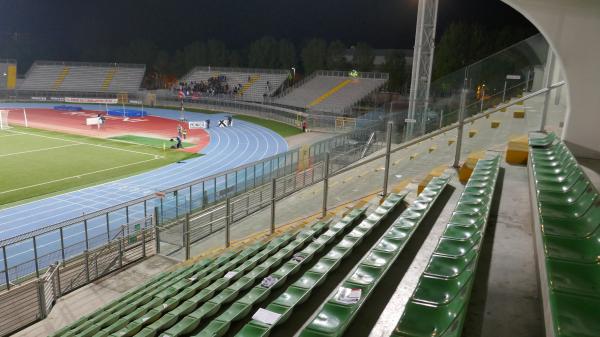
(4, 120)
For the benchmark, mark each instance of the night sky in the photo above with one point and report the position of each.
(73, 25)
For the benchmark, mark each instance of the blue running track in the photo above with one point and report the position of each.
(228, 148)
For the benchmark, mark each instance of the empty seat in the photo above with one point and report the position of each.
(439, 303)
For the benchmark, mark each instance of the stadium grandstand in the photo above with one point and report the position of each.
(84, 77)
(474, 211)
(332, 91)
(254, 85)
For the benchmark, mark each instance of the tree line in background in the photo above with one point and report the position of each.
(475, 42)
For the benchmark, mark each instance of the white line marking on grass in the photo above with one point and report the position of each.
(78, 142)
(9, 135)
(38, 150)
(76, 176)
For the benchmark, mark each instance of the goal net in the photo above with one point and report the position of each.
(4, 120)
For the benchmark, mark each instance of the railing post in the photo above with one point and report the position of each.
(35, 258)
(461, 124)
(62, 243)
(42, 298)
(227, 222)
(86, 258)
(548, 73)
(6, 277)
(325, 184)
(143, 242)
(58, 283)
(186, 235)
(504, 91)
(482, 98)
(85, 233)
(156, 230)
(388, 149)
(176, 204)
(273, 201)
(107, 227)
(120, 253)
(191, 207)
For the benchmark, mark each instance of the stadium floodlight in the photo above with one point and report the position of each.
(422, 64)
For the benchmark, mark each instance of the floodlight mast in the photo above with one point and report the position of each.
(422, 65)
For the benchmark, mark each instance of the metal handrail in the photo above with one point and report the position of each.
(89, 64)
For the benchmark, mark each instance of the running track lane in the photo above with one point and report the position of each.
(228, 148)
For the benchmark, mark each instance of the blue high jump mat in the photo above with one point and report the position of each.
(127, 113)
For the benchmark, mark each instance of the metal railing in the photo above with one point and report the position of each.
(29, 253)
(33, 300)
(88, 64)
(235, 70)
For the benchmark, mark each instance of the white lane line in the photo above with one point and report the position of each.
(219, 151)
(38, 150)
(78, 142)
(237, 146)
(77, 176)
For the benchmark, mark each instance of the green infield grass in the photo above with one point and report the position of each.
(35, 163)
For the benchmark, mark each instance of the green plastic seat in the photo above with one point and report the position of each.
(467, 219)
(365, 275)
(562, 185)
(397, 233)
(447, 267)
(309, 280)
(253, 329)
(441, 291)
(328, 321)
(336, 253)
(565, 197)
(214, 329)
(291, 297)
(377, 258)
(544, 141)
(577, 278)
(421, 319)
(255, 295)
(456, 248)
(582, 250)
(574, 210)
(582, 226)
(459, 232)
(575, 315)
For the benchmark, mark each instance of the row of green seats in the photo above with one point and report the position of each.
(243, 305)
(193, 292)
(188, 315)
(439, 303)
(125, 322)
(340, 308)
(239, 274)
(569, 211)
(301, 290)
(139, 296)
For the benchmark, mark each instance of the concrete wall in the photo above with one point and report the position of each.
(572, 27)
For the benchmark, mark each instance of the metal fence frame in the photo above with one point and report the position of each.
(178, 200)
(33, 300)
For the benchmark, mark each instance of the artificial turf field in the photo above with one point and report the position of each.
(36, 163)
